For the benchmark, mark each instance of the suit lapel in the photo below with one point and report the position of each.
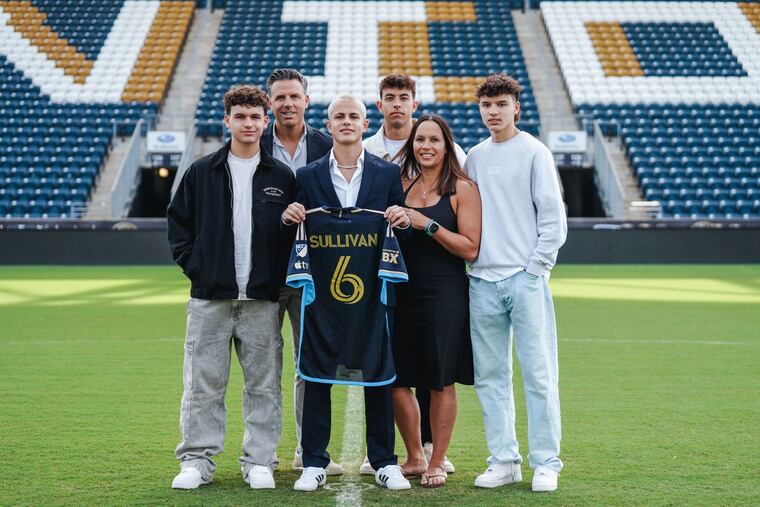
(369, 172)
(268, 140)
(323, 175)
(311, 147)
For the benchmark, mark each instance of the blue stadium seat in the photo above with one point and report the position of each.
(457, 49)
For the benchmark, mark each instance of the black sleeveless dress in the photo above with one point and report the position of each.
(431, 338)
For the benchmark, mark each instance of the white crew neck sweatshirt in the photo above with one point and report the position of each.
(524, 221)
(241, 171)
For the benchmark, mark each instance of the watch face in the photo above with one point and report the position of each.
(433, 228)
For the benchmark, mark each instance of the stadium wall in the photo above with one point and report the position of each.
(143, 242)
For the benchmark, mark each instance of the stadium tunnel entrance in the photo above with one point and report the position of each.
(581, 194)
(153, 192)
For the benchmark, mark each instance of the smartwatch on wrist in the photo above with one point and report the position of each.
(431, 228)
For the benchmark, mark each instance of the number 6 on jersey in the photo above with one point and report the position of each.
(341, 276)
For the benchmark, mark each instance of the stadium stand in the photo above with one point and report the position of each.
(677, 81)
(680, 83)
(72, 74)
(448, 46)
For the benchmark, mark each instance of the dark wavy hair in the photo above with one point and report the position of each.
(500, 84)
(451, 170)
(400, 82)
(246, 96)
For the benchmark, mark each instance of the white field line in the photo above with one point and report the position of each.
(350, 495)
(180, 339)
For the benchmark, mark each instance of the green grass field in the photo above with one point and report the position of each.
(659, 383)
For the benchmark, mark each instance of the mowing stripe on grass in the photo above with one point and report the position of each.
(351, 455)
(660, 342)
(179, 339)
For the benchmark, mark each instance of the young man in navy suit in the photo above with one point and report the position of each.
(349, 177)
(293, 142)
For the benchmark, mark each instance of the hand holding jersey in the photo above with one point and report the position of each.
(397, 216)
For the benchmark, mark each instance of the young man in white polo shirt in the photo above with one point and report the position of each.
(398, 102)
(524, 226)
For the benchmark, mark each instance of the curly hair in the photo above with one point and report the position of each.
(245, 95)
(400, 82)
(500, 84)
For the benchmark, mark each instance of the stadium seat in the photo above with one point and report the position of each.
(454, 49)
(50, 128)
(672, 86)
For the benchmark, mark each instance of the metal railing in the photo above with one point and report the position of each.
(607, 181)
(187, 155)
(126, 181)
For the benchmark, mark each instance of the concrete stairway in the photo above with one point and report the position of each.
(554, 106)
(629, 186)
(178, 109)
(99, 206)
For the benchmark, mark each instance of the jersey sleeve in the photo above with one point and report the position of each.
(392, 268)
(299, 272)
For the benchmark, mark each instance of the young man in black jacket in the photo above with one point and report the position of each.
(293, 142)
(225, 234)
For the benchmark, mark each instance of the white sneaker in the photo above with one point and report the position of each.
(448, 466)
(188, 478)
(275, 462)
(297, 461)
(260, 477)
(311, 478)
(366, 468)
(544, 479)
(332, 467)
(392, 478)
(498, 474)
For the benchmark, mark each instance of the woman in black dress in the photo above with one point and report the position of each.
(431, 342)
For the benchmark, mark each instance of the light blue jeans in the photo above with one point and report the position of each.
(521, 304)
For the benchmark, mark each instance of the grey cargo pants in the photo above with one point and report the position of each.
(213, 326)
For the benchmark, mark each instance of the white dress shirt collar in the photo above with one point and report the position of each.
(347, 191)
(281, 153)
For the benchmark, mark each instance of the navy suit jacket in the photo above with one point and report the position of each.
(318, 144)
(380, 187)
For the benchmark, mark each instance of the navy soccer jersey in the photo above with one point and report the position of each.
(344, 259)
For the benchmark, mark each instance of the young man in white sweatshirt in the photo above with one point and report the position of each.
(524, 225)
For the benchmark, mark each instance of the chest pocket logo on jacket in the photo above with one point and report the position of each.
(340, 277)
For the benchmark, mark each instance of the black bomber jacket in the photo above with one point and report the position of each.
(201, 239)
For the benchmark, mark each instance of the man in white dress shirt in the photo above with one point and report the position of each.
(349, 177)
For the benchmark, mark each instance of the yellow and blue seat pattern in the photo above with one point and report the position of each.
(448, 46)
(680, 83)
(72, 74)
